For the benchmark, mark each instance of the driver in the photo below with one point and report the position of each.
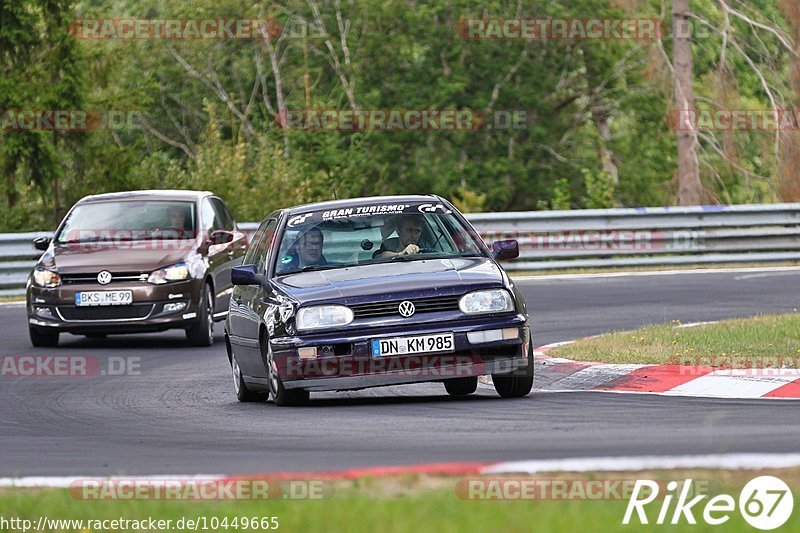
(177, 223)
(176, 217)
(309, 249)
(306, 251)
(409, 230)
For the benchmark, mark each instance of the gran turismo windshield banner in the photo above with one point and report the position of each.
(316, 217)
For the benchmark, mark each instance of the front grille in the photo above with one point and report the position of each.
(116, 277)
(421, 305)
(108, 312)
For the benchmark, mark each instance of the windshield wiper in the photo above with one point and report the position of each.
(100, 240)
(399, 258)
(311, 268)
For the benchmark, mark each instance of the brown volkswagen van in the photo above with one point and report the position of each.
(133, 262)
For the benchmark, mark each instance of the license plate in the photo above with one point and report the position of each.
(440, 342)
(92, 298)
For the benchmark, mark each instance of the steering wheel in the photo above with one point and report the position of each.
(177, 230)
(428, 251)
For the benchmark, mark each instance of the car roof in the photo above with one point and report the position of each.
(367, 200)
(152, 194)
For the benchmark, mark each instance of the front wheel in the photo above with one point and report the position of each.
(43, 339)
(518, 383)
(280, 395)
(461, 386)
(202, 333)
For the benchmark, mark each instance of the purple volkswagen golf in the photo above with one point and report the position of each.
(370, 292)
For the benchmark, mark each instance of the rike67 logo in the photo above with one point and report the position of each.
(765, 503)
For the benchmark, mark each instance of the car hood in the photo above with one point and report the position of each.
(136, 256)
(390, 281)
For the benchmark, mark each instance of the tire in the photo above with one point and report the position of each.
(280, 395)
(243, 394)
(43, 339)
(461, 386)
(202, 333)
(518, 383)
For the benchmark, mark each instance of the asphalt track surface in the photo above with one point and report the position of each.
(179, 416)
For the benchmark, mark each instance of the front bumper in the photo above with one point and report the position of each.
(350, 364)
(55, 310)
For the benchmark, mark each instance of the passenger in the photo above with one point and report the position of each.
(409, 230)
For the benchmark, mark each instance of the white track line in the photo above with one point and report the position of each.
(67, 481)
(548, 277)
(740, 461)
(744, 461)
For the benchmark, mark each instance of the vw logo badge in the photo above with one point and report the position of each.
(104, 277)
(406, 309)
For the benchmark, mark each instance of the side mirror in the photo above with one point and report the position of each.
(245, 275)
(217, 237)
(221, 237)
(508, 249)
(41, 243)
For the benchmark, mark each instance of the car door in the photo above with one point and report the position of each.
(248, 300)
(217, 255)
(234, 252)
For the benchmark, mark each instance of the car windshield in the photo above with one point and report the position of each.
(128, 220)
(369, 234)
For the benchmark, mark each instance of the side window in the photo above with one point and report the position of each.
(222, 214)
(441, 238)
(254, 242)
(209, 217)
(261, 250)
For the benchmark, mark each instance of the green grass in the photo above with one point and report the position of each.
(410, 503)
(766, 340)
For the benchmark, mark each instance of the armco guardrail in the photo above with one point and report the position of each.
(592, 238)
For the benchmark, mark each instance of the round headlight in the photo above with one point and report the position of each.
(323, 316)
(488, 301)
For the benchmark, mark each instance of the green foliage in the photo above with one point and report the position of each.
(599, 189)
(399, 55)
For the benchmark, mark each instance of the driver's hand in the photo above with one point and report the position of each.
(411, 249)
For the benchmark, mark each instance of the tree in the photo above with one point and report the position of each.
(690, 189)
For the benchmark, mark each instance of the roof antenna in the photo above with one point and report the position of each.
(335, 196)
